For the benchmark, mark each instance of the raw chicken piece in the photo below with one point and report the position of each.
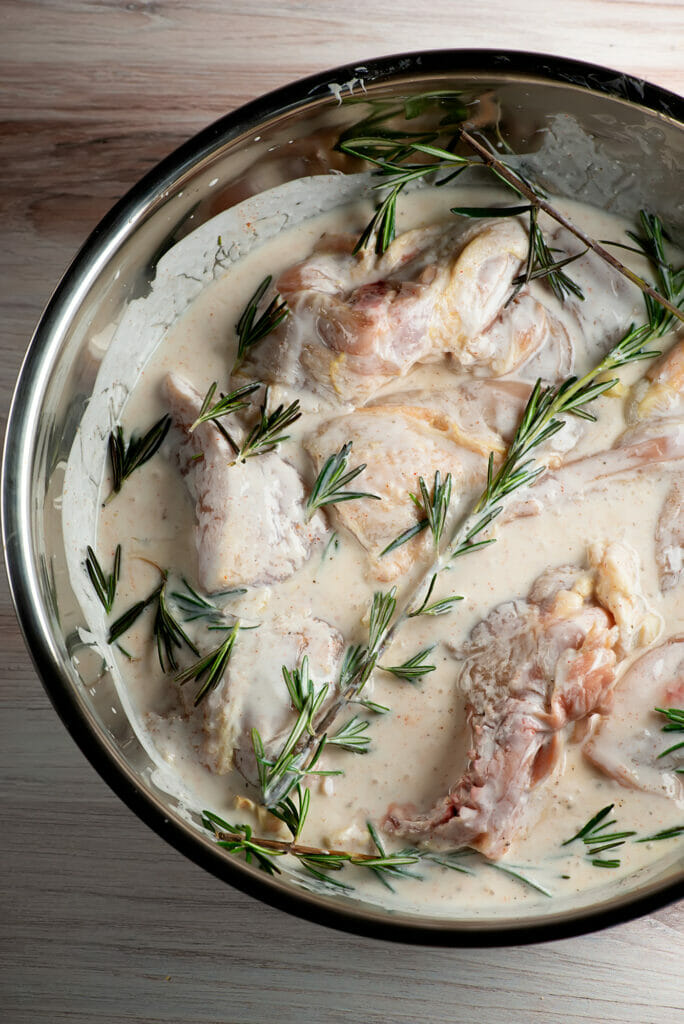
(611, 303)
(661, 392)
(248, 697)
(235, 545)
(525, 336)
(653, 441)
(530, 669)
(574, 479)
(481, 415)
(669, 538)
(359, 320)
(414, 433)
(627, 743)
(617, 587)
(398, 445)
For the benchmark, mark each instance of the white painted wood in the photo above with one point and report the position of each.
(100, 920)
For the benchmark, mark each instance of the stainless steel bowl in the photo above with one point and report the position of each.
(619, 143)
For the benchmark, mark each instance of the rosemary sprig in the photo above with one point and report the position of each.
(434, 508)
(226, 404)
(675, 723)
(319, 862)
(302, 692)
(540, 421)
(194, 606)
(543, 265)
(414, 668)
(104, 585)
(524, 188)
(285, 771)
(308, 737)
(267, 434)
(168, 632)
(388, 151)
(351, 664)
(380, 231)
(252, 328)
(327, 489)
(210, 668)
(435, 505)
(125, 458)
(382, 610)
(239, 839)
(652, 244)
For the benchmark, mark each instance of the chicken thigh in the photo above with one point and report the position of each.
(529, 669)
(358, 320)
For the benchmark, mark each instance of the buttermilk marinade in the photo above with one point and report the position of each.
(529, 704)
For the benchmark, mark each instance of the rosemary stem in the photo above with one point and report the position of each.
(513, 179)
(286, 846)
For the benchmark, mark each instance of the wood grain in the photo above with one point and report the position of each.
(101, 921)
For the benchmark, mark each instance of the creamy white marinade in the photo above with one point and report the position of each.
(418, 749)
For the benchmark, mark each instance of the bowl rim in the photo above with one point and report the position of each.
(86, 265)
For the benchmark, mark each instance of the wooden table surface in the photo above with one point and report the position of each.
(101, 921)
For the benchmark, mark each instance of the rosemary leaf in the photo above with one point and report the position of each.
(590, 826)
(370, 705)
(667, 833)
(520, 877)
(490, 211)
(332, 546)
(406, 536)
